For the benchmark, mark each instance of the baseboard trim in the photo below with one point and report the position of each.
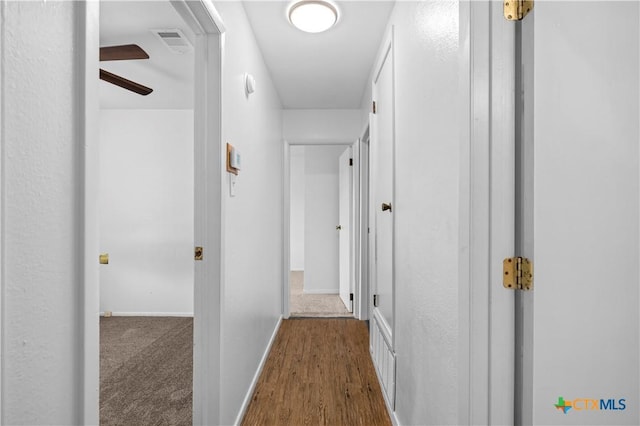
(149, 314)
(321, 291)
(256, 377)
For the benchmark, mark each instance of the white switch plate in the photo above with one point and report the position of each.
(232, 184)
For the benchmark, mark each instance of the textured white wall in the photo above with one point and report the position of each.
(297, 177)
(252, 293)
(322, 125)
(426, 193)
(146, 211)
(41, 190)
(321, 217)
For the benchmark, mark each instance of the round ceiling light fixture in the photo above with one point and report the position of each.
(313, 16)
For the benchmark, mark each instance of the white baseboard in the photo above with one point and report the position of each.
(256, 377)
(149, 314)
(321, 291)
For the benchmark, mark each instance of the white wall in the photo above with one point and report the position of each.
(253, 244)
(297, 177)
(322, 125)
(321, 274)
(41, 214)
(426, 209)
(146, 211)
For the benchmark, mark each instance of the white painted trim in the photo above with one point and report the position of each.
(354, 274)
(210, 207)
(362, 220)
(320, 142)
(88, 132)
(286, 229)
(2, 205)
(501, 196)
(464, 236)
(149, 314)
(256, 376)
(322, 291)
(486, 234)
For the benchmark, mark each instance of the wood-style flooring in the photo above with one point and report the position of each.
(319, 372)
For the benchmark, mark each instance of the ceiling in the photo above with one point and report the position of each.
(325, 70)
(170, 75)
(328, 70)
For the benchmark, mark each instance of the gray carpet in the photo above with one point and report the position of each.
(313, 305)
(146, 368)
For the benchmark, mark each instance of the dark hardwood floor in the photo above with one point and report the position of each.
(319, 372)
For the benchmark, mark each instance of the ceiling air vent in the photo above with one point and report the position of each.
(174, 39)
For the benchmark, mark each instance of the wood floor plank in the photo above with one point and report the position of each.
(319, 372)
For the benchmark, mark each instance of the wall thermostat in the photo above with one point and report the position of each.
(233, 159)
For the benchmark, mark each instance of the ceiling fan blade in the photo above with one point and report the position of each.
(124, 83)
(122, 53)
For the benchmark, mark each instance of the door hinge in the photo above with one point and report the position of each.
(351, 161)
(351, 297)
(374, 107)
(198, 253)
(375, 300)
(516, 10)
(517, 273)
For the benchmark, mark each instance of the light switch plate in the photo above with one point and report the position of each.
(232, 185)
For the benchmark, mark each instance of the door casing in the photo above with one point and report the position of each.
(486, 234)
(355, 235)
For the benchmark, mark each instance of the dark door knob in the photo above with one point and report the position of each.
(386, 206)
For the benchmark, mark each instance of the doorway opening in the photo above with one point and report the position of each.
(321, 231)
(199, 156)
(146, 223)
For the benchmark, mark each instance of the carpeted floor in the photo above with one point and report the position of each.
(146, 369)
(313, 305)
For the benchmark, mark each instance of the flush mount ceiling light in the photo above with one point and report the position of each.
(313, 16)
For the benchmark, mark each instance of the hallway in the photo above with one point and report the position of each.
(319, 371)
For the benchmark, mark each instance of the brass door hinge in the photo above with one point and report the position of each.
(374, 107)
(375, 300)
(198, 253)
(516, 10)
(517, 273)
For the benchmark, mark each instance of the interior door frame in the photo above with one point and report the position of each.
(355, 227)
(387, 51)
(209, 29)
(352, 242)
(487, 214)
(362, 216)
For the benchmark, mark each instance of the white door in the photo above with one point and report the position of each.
(345, 180)
(579, 215)
(381, 221)
(382, 203)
